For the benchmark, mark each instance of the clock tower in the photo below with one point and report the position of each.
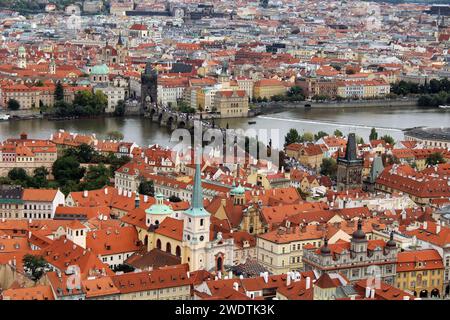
(196, 226)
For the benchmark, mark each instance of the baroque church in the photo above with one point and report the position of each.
(187, 234)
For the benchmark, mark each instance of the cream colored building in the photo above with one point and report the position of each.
(231, 104)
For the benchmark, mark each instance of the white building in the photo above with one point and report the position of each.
(41, 203)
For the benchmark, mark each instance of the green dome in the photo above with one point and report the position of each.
(237, 191)
(100, 69)
(159, 208)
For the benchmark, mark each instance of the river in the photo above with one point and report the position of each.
(144, 132)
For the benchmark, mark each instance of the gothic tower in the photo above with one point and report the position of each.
(349, 171)
(149, 91)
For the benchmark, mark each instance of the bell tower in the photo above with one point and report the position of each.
(22, 58)
(196, 225)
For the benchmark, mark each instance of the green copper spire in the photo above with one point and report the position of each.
(197, 198)
(197, 208)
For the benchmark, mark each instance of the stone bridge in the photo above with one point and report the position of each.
(173, 119)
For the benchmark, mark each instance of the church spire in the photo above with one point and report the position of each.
(197, 208)
(197, 197)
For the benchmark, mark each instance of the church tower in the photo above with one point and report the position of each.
(52, 66)
(149, 85)
(359, 241)
(349, 168)
(121, 50)
(196, 226)
(22, 58)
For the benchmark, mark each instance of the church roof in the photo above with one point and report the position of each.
(159, 207)
(100, 69)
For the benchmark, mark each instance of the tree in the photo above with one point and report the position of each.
(338, 133)
(295, 91)
(125, 268)
(59, 92)
(39, 179)
(147, 188)
(308, 137)
(119, 111)
(13, 104)
(425, 101)
(328, 167)
(115, 135)
(388, 139)
(434, 159)
(67, 171)
(173, 198)
(373, 134)
(96, 177)
(320, 135)
(291, 137)
(18, 174)
(85, 153)
(34, 266)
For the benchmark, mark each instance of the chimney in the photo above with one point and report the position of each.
(438, 228)
(367, 292)
(425, 225)
(85, 194)
(236, 286)
(188, 274)
(106, 190)
(308, 283)
(266, 277)
(372, 294)
(288, 280)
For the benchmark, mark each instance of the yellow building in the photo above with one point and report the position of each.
(267, 88)
(281, 251)
(421, 273)
(309, 154)
(231, 104)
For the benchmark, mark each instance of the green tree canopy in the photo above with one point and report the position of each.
(388, 139)
(147, 188)
(13, 104)
(320, 135)
(434, 159)
(18, 174)
(338, 133)
(328, 167)
(115, 135)
(34, 266)
(59, 92)
(119, 111)
(308, 137)
(174, 199)
(67, 169)
(373, 134)
(292, 137)
(96, 177)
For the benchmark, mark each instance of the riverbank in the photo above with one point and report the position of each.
(277, 107)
